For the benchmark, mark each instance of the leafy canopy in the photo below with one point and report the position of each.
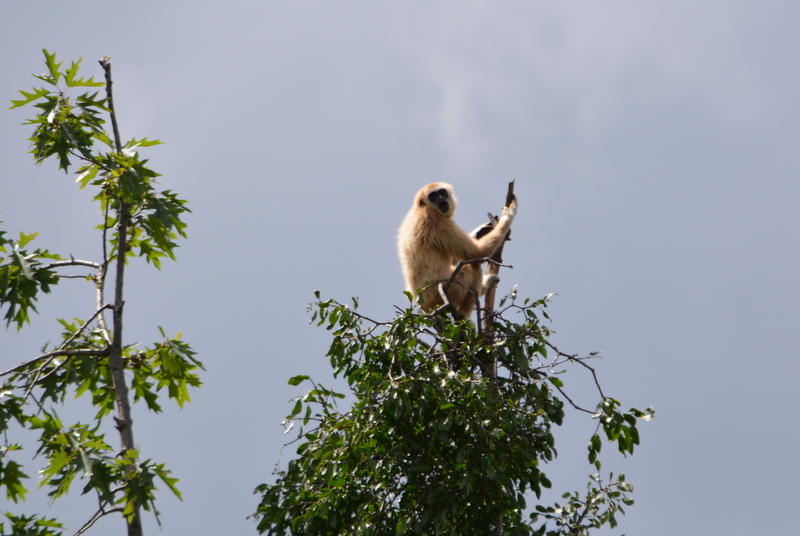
(434, 443)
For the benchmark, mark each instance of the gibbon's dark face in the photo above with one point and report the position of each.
(440, 199)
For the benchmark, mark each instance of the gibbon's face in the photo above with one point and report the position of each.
(441, 200)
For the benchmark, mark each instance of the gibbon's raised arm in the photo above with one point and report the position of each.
(431, 244)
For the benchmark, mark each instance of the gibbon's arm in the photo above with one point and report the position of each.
(456, 243)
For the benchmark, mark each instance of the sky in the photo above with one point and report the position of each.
(654, 148)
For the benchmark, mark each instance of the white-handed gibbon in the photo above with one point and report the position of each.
(431, 244)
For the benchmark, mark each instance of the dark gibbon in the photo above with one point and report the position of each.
(431, 244)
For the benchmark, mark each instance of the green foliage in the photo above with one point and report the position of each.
(82, 362)
(81, 450)
(22, 276)
(69, 128)
(580, 514)
(30, 526)
(168, 365)
(434, 441)
(65, 128)
(11, 475)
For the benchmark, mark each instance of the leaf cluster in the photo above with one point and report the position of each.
(71, 129)
(433, 443)
(580, 514)
(65, 128)
(22, 276)
(80, 367)
(31, 526)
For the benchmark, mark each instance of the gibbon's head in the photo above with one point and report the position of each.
(437, 196)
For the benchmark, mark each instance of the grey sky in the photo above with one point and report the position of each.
(654, 145)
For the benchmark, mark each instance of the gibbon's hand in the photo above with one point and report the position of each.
(510, 212)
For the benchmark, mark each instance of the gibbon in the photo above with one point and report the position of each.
(431, 244)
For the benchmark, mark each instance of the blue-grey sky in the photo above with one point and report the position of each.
(651, 143)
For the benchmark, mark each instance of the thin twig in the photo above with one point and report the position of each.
(90, 160)
(580, 361)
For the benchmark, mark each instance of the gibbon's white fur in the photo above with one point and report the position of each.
(431, 244)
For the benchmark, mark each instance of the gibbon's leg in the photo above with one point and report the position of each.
(463, 299)
(431, 298)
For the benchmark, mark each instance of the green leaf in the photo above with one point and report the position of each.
(297, 380)
(72, 80)
(35, 94)
(53, 67)
(11, 476)
(144, 142)
(171, 482)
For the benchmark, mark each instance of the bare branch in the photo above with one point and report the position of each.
(97, 314)
(571, 403)
(73, 262)
(58, 353)
(61, 351)
(71, 353)
(490, 368)
(100, 513)
(461, 264)
(444, 284)
(106, 64)
(100, 283)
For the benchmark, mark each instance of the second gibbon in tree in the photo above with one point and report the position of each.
(431, 244)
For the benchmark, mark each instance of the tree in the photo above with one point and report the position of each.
(92, 359)
(447, 434)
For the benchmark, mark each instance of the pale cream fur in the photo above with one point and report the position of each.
(430, 245)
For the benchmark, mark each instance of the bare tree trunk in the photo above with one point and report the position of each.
(116, 361)
(494, 269)
(488, 318)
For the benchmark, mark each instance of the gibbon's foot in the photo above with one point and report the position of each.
(488, 281)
